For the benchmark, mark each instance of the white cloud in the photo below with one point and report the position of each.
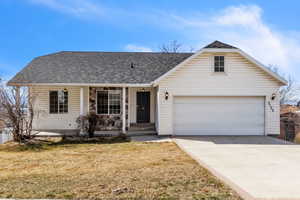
(248, 31)
(137, 48)
(240, 15)
(244, 27)
(79, 8)
(94, 10)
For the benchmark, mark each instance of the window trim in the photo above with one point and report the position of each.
(213, 63)
(108, 91)
(58, 112)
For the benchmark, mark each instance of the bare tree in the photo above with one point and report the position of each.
(17, 109)
(175, 47)
(171, 47)
(192, 49)
(289, 94)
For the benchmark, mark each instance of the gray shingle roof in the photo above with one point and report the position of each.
(98, 67)
(218, 44)
(102, 67)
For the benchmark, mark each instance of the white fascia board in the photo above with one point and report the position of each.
(221, 50)
(263, 67)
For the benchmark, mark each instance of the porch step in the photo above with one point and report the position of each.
(142, 127)
(141, 133)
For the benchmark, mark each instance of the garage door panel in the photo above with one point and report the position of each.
(210, 116)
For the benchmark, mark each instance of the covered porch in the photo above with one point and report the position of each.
(126, 109)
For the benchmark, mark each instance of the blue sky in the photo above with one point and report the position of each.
(267, 30)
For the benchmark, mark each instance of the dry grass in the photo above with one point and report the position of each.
(128, 170)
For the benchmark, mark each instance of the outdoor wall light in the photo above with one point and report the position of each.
(166, 95)
(273, 96)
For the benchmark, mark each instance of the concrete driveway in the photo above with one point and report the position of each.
(257, 167)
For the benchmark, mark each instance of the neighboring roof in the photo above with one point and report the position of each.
(288, 109)
(218, 44)
(98, 67)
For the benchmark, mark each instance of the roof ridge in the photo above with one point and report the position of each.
(151, 52)
(133, 52)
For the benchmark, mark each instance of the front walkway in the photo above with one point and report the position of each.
(257, 167)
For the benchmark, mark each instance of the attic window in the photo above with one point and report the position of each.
(219, 64)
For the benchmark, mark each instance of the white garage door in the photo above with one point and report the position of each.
(218, 116)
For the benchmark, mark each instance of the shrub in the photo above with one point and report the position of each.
(17, 108)
(88, 123)
(92, 118)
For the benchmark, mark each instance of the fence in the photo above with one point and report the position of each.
(5, 136)
(289, 125)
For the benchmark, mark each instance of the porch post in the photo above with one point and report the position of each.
(18, 96)
(81, 112)
(124, 110)
(81, 101)
(128, 107)
(29, 99)
(158, 110)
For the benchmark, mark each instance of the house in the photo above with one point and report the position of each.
(289, 122)
(219, 90)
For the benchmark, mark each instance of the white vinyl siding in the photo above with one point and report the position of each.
(196, 78)
(219, 115)
(44, 120)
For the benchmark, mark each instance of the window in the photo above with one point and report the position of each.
(58, 102)
(109, 102)
(219, 64)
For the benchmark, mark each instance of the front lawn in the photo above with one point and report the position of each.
(126, 170)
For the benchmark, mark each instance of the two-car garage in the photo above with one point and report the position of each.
(219, 115)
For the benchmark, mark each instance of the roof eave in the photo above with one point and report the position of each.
(263, 67)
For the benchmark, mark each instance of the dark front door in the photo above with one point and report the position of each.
(143, 107)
